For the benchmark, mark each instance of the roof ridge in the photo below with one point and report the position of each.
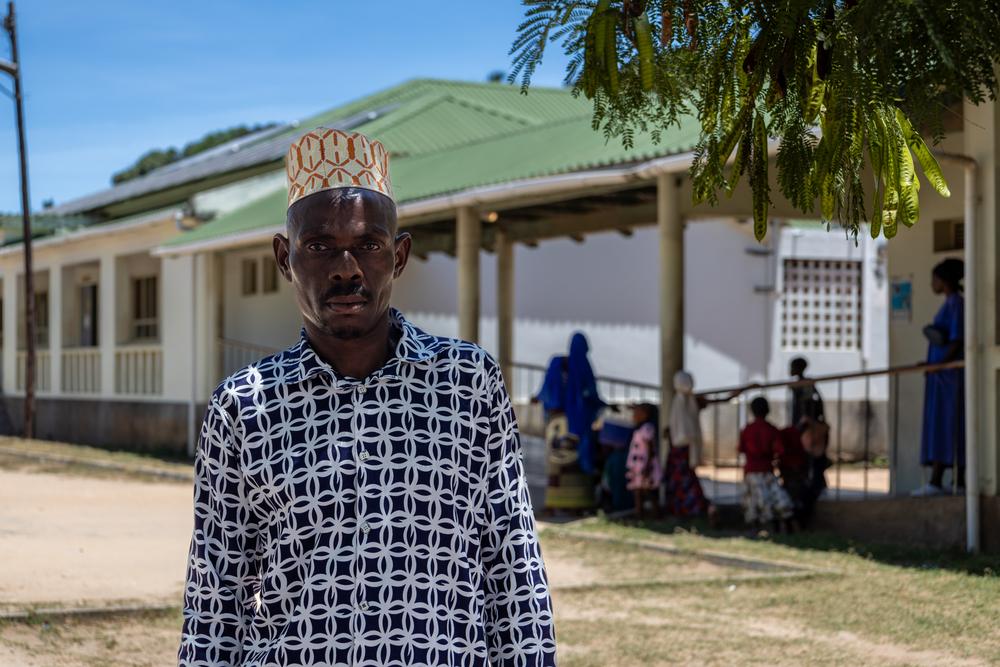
(507, 135)
(436, 99)
(527, 122)
(506, 87)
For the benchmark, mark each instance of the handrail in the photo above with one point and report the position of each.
(857, 375)
(601, 378)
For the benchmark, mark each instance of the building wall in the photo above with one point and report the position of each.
(129, 268)
(74, 278)
(145, 426)
(982, 142)
(911, 258)
(221, 200)
(122, 251)
(268, 320)
(614, 281)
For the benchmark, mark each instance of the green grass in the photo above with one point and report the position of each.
(618, 604)
(83, 460)
(893, 604)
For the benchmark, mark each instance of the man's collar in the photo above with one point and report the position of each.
(301, 362)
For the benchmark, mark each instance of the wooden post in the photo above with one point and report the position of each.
(467, 240)
(505, 304)
(10, 25)
(671, 232)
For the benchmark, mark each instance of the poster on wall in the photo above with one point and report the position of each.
(901, 299)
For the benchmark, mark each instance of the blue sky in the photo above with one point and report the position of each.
(106, 81)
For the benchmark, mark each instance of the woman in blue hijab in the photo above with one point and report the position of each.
(583, 404)
(572, 404)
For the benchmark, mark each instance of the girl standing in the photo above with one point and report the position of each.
(943, 441)
(642, 469)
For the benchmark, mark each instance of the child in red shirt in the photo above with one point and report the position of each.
(764, 500)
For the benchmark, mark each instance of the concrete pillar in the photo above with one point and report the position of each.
(10, 324)
(505, 304)
(981, 141)
(55, 328)
(206, 335)
(177, 329)
(107, 328)
(671, 233)
(218, 317)
(467, 241)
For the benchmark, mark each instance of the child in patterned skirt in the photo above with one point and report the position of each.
(764, 501)
(643, 471)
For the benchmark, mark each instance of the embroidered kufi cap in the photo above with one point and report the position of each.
(328, 159)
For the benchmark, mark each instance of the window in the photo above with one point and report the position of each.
(808, 299)
(88, 316)
(269, 276)
(949, 235)
(249, 276)
(145, 322)
(41, 318)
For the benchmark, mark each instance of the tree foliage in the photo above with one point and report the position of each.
(836, 85)
(159, 157)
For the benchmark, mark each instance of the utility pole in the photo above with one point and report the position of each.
(14, 69)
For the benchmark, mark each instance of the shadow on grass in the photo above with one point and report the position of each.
(899, 555)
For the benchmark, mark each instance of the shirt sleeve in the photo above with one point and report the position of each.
(518, 609)
(222, 569)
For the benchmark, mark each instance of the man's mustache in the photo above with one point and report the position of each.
(347, 290)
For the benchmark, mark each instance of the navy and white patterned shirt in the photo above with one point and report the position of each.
(378, 522)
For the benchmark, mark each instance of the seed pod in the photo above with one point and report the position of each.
(644, 43)
(691, 24)
(667, 25)
(824, 62)
(750, 62)
(611, 52)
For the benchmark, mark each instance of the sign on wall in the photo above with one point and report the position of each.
(901, 299)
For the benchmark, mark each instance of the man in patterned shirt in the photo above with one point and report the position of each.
(360, 497)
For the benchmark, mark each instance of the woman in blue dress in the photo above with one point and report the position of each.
(943, 442)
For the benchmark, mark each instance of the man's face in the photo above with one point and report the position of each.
(341, 255)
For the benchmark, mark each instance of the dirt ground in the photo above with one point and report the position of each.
(70, 538)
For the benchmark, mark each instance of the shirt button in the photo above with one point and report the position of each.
(360, 389)
(365, 528)
(363, 606)
(364, 456)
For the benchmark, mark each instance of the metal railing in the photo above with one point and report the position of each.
(235, 354)
(528, 380)
(859, 469)
(725, 450)
(139, 370)
(81, 370)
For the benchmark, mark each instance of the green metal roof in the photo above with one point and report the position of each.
(42, 224)
(412, 118)
(445, 137)
(489, 105)
(427, 115)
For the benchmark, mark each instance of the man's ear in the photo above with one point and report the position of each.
(402, 254)
(280, 245)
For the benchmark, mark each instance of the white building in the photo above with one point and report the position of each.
(170, 283)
